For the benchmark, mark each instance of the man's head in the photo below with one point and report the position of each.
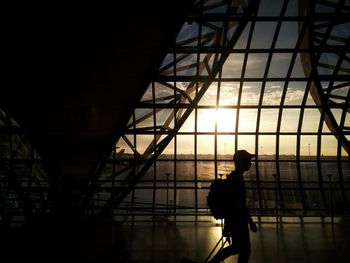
(243, 160)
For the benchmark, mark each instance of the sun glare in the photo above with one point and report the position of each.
(224, 119)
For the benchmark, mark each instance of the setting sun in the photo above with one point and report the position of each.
(225, 119)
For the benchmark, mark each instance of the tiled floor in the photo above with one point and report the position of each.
(169, 242)
(293, 242)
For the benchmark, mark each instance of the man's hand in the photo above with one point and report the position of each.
(253, 226)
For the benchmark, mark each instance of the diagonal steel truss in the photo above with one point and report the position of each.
(203, 68)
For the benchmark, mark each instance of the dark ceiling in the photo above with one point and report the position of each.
(74, 74)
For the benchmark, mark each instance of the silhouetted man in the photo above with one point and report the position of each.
(237, 220)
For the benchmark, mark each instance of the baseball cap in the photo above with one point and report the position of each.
(241, 155)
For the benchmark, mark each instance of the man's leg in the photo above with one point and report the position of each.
(225, 253)
(245, 249)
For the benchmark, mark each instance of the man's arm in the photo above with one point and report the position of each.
(252, 225)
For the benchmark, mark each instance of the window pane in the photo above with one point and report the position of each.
(164, 118)
(308, 146)
(288, 35)
(184, 170)
(287, 147)
(205, 146)
(295, 93)
(142, 142)
(292, 200)
(311, 120)
(290, 120)
(209, 97)
(228, 93)
(273, 93)
(169, 150)
(298, 70)
(266, 169)
(279, 66)
(270, 8)
(188, 126)
(233, 66)
(164, 167)
(256, 65)
(328, 145)
(251, 93)
(185, 146)
(263, 34)
(246, 142)
(226, 120)
(225, 168)
(288, 172)
(185, 198)
(267, 144)
(309, 171)
(188, 35)
(226, 146)
(268, 120)
(247, 120)
(205, 170)
(206, 120)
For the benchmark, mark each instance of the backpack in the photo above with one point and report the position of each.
(217, 198)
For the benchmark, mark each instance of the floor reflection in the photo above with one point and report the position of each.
(290, 242)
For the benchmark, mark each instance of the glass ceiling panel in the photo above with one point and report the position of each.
(268, 120)
(188, 35)
(251, 93)
(288, 35)
(273, 93)
(228, 93)
(263, 34)
(233, 66)
(280, 65)
(256, 65)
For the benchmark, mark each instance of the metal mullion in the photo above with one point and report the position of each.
(10, 169)
(268, 63)
(318, 155)
(224, 40)
(340, 140)
(215, 133)
(241, 80)
(217, 18)
(154, 139)
(196, 113)
(301, 115)
(278, 173)
(318, 159)
(229, 133)
(133, 169)
(30, 179)
(207, 78)
(298, 146)
(195, 142)
(173, 64)
(324, 110)
(341, 174)
(218, 50)
(175, 141)
(249, 40)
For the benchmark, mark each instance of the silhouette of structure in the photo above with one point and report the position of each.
(85, 80)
